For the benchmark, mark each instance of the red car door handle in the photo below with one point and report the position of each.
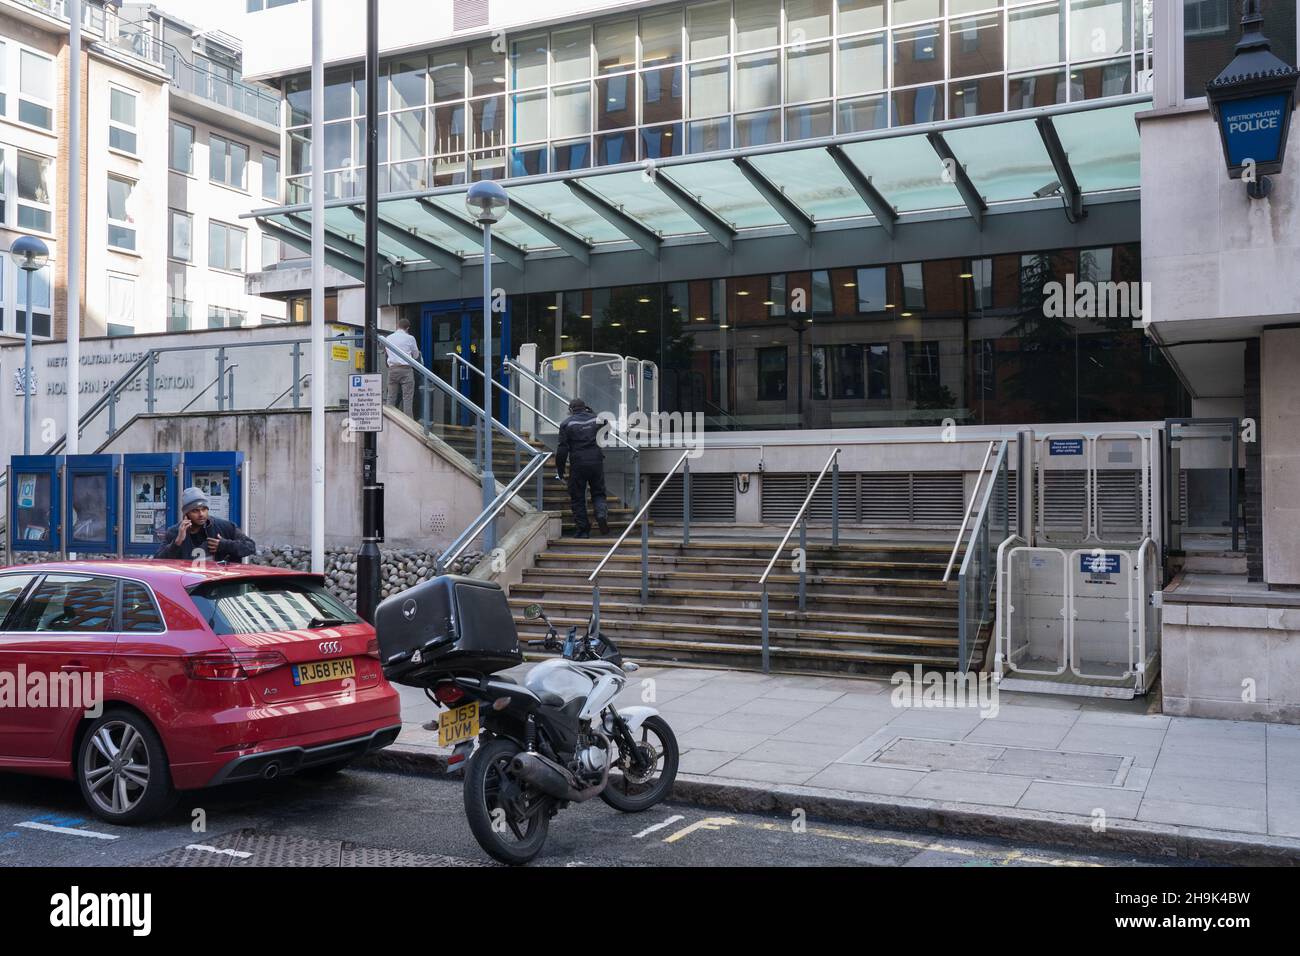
(74, 667)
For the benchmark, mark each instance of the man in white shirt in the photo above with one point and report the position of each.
(401, 376)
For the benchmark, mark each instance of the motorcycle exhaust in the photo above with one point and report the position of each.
(552, 779)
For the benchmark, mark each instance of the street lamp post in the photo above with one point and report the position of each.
(487, 203)
(30, 254)
(1252, 100)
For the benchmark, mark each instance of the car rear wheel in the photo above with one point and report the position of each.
(122, 769)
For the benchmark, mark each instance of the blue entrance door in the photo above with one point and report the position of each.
(456, 325)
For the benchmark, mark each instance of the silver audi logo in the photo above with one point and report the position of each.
(330, 647)
(408, 609)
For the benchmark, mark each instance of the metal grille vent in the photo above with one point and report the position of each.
(886, 498)
(937, 497)
(713, 498)
(1065, 493)
(468, 14)
(1119, 499)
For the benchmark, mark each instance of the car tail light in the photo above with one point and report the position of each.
(232, 665)
(372, 648)
(448, 694)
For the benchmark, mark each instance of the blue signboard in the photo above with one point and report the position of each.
(91, 502)
(1252, 128)
(1065, 446)
(35, 502)
(150, 498)
(1099, 563)
(220, 476)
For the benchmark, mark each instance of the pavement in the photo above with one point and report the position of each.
(1094, 775)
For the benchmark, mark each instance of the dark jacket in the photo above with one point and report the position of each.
(578, 440)
(233, 546)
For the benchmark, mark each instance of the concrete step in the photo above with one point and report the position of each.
(804, 650)
(931, 554)
(902, 625)
(561, 552)
(1227, 562)
(722, 581)
(933, 606)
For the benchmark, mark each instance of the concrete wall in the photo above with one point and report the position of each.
(263, 374)
(1280, 401)
(429, 498)
(1240, 663)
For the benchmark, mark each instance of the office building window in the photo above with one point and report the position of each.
(181, 154)
(227, 162)
(121, 120)
(219, 318)
(121, 304)
(182, 235)
(121, 218)
(270, 177)
(36, 89)
(34, 209)
(40, 281)
(226, 246)
(179, 314)
(771, 374)
(270, 252)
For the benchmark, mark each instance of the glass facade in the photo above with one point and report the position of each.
(980, 341)
(1211, 29)
(707, 76)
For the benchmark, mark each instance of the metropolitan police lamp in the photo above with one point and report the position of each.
(1253, 99)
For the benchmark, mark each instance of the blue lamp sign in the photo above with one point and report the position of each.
(1253, 99)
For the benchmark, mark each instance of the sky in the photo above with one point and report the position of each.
(227, 15)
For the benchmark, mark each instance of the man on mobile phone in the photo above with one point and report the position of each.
(201, 535)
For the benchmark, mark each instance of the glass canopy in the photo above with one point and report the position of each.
(1028, 156)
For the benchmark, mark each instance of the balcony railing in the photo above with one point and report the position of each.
(252, 101)
(133, 39)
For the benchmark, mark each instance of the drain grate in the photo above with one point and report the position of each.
(254, 848)
(1061, 765)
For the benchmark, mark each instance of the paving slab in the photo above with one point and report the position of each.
(750, 723)
(979, 788)
(741, 769)
(995, 730)
(1180, 813)
(787, 708)
(703, 761)
(1247, 770)
(817, 729)
(872, 778)
(1208, 790)
(708, 739)
(939, 755)
(796, 752)
(1082, 799)
(1059, 765)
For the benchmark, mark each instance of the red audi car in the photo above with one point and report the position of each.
(142, 678)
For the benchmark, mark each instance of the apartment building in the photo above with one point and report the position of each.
(174, 148)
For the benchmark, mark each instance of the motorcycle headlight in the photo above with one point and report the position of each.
(608, 722)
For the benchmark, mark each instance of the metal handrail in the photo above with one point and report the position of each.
(537, 381)
(800, 519)
(965, 518)
(499, 387)
(964, 639)
(491, 511)
(220, 375)
(799, 515)
(645, 538)
(127, 377)
(305, 376)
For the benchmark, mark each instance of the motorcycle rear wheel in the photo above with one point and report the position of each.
(502, 832)
(627, 791)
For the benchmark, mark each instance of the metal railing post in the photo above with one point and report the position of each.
(595, 608)
(803, 563)
(149, 387)
(686, 502)
(230, 388)
(636, 481)
(645, 562)
(835, 502)
(297, 374)
(961, 624)
(540, 489)
(478, 448)
(221, 379)
(766, 662)
(112, 413)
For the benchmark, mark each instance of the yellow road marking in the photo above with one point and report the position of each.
(1004, 857)
(708, 823)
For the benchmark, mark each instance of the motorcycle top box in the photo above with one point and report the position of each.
(446, 626)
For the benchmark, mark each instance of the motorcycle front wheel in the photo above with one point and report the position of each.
(509, 819)
(633, 791)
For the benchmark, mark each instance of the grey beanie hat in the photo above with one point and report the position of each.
(192, 498)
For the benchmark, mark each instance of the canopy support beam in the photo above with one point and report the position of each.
(1074, 210)
(885, 214)
(795, 217)
(335, 260)
(568, 240)
(418, 246)
(975, 203)
(708, 220)
(506, 251)
(633, 229)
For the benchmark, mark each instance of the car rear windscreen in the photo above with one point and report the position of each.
(256, 605)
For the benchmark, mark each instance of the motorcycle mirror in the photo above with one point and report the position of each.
(630, 667)
(532, 612)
